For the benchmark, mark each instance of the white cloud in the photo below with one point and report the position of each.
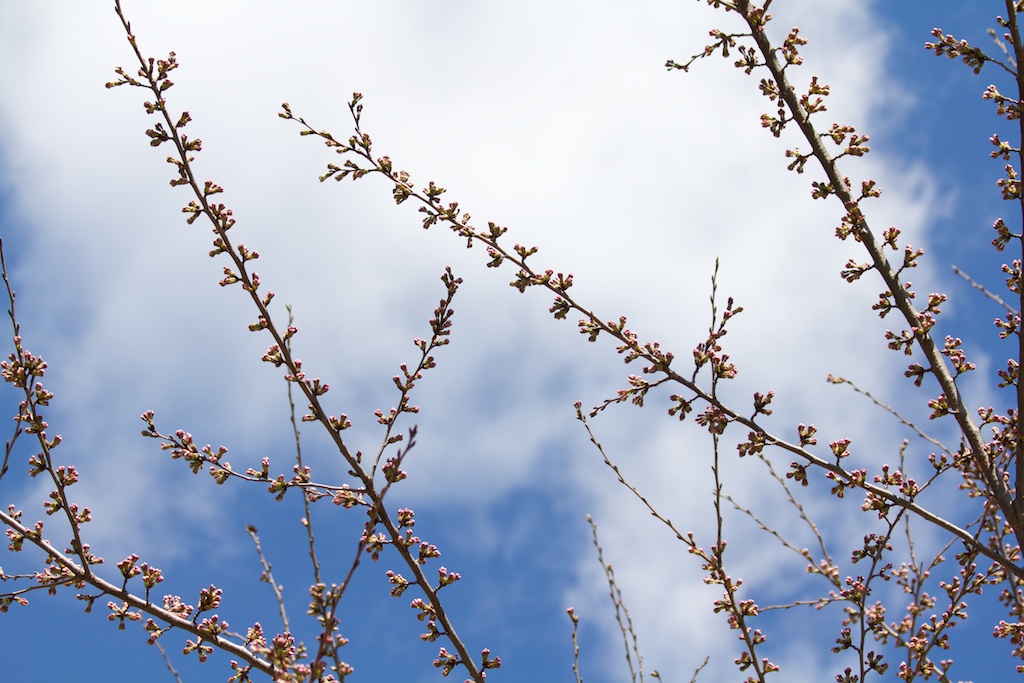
(559, 122)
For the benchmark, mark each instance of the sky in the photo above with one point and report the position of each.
(560, 122)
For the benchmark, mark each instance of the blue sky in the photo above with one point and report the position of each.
(562, 124)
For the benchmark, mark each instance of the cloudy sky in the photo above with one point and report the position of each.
(559, 121)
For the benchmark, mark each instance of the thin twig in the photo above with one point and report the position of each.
(575, 645)
(800, 511)
(984, 290)
(1002, 46)
(9, 446)
(268, 576)
(167, 661)
(307, 521)
(693, 679)
(626, 627)
(892, 411)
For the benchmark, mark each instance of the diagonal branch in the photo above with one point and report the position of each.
(77, 574)
(1000, 491)
(591, 324)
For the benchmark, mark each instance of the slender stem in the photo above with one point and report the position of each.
(268, 575)
(308, 520)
